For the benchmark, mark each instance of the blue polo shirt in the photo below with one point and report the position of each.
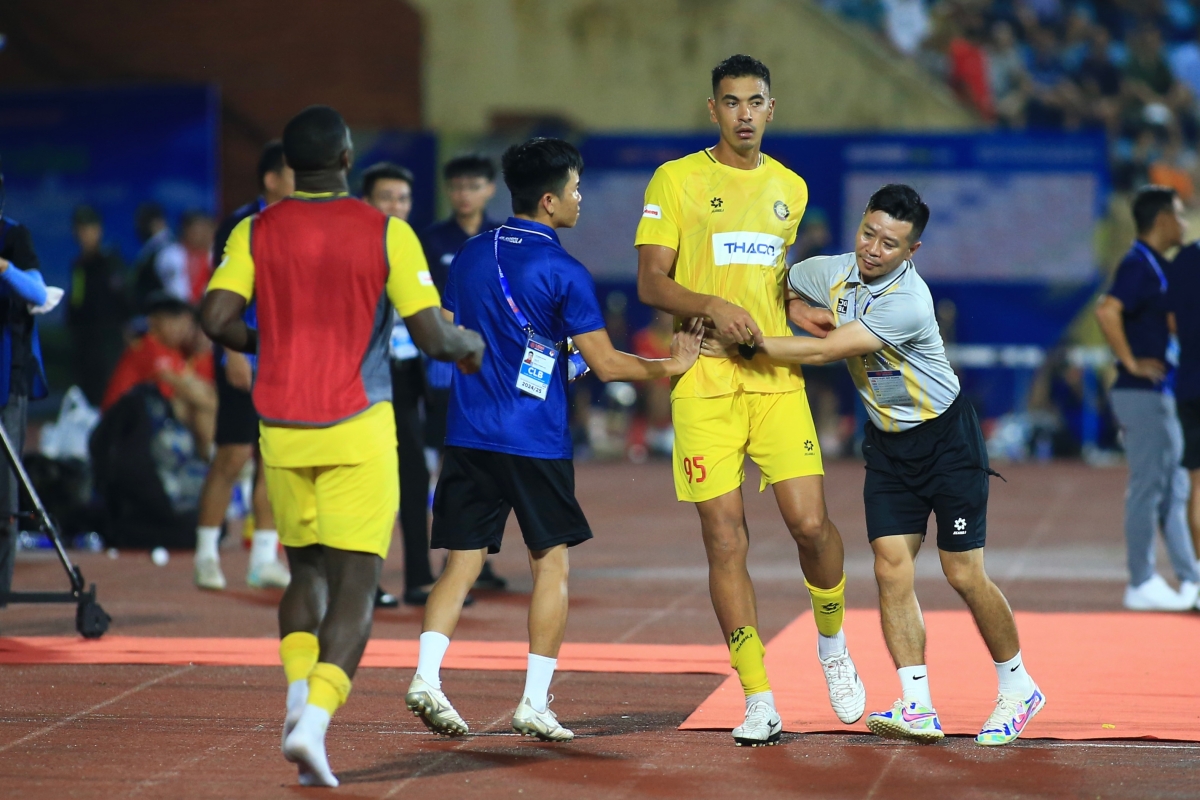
(1183, 298)
(556, 293)
(1140, 283)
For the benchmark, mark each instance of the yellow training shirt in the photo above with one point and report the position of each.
(372, 432)
(731, 229)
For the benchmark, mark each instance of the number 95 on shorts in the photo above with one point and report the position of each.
(713, 435)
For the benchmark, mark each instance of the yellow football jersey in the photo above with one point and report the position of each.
(731, 229)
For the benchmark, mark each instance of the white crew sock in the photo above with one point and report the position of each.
(914, 685)
(537, 680)
(429, 658)
(1014, 680)
(830, 646)
(207, 538)
(264, 547)
(765, 697)
(297, 696)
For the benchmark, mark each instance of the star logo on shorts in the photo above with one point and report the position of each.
(808, 445)
(960, 526)
(716, 203)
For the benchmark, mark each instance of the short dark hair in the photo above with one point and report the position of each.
(384, 171)
(314, 139)
(740, 66)
(470, 165)
(271, 160)
(902, 203)
(147, 214)
(1148, 203)
(536, 167)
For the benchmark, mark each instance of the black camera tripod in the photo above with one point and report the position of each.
(90, 619)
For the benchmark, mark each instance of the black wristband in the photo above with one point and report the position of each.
(747, 351)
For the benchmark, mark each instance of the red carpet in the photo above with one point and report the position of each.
(686, 658)
(1105, 676)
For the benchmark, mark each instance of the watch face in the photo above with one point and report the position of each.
(747, 350)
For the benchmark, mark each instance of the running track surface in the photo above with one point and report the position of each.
(204, 731)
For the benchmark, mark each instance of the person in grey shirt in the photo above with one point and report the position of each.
(924, 452)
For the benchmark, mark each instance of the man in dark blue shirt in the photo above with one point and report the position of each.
(470, 185)
(1134, 318)
(1183, 303)
(508, 447)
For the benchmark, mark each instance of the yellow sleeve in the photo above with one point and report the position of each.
(409, 284)
(660, 223)
(236, 270)
(801, 204)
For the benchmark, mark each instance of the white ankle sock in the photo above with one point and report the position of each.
(429, 659)
(264, 547)
(1014, 680)
(829, 646)
(914, 685)
(206, 542)
(297, 696)
(538, 675)
(764, 697)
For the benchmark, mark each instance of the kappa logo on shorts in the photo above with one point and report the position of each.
(960, 526)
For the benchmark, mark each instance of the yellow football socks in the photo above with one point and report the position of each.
(746, 653)
(829, 607)
(328, 687)
(298, 652)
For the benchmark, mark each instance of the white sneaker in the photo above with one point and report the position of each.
(1155, 595)
(528, 721)
(1189, 592)
(208, 574)
(847, 694)
(1011, 716)
(269, 575)
(762, 727)
(434, 709)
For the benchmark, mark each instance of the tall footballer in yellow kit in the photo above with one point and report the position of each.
(712, 241)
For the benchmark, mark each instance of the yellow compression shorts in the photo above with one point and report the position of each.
(348, 507)
(713, 435)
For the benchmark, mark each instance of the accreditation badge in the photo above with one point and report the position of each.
(537, 367)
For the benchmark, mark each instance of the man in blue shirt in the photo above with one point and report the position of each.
(470, 185)
(1183, 302)
(1133, 316)
(508, 447)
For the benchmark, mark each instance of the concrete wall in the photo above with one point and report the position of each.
(270, 57)
(623, 65)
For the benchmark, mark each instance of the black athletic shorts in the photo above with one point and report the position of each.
(1189, 420)
(237, 421)
(940, 466)
(477, 489)
(437, 408)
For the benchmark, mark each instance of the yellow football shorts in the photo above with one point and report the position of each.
(713, 435)
(348, 507)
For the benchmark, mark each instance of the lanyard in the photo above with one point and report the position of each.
(522, 320)
(1149, 255)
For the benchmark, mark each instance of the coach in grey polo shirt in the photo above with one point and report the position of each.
(924, 453)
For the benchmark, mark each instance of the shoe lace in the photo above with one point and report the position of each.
(552, 715)
(1006, 709)
(840, 677)
(758, 714)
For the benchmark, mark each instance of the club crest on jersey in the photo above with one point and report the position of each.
(781, 210)
(746, 247)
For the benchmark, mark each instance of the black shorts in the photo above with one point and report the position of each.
(1189, 420)
(478, 488)
(237, 421)
(940, 466)
(437, 407)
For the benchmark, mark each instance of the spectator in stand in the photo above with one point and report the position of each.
(1148, 83)
(907, 24)
(1185, 64)
(196, 233)
(161, 265)
(1054, 99)
(969, 69)
(98, 307)
(168, 357)
(652, 342)
(1007, 78)
(1099, 81)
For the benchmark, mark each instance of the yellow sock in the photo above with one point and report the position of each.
(746, 653)
(298, 652)
(829, 607)
(328, 687)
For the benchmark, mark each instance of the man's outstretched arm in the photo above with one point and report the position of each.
(656, 288)
(221, 318)
(442, 340)
(848, 341)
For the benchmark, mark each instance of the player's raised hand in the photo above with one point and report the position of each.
(685, 343)
(734, 323)
(472, 362)
(817, 321)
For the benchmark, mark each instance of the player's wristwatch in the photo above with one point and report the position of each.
(747, 351)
